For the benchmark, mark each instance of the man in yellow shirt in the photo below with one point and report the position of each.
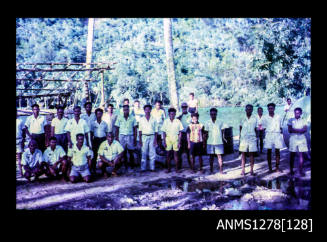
(110, 153)
(171, 129)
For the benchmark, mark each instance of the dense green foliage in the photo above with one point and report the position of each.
(224, 61)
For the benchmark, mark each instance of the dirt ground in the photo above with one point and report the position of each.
(177, 191)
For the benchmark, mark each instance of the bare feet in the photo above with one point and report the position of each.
(114, 174)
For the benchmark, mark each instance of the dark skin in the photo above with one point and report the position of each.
(213, 116)
(185, 112)
(271, 111)
(147, 112)
(131, 155)
(77, 114)
(88, 109)
(37, 171)
(79, 144)
(195, 120)
(248, 110)
(116, 163)
(19, 155)
(170, 153)
(60, 115)
(297, 115)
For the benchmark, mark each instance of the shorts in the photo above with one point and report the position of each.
(184, 146)
(298, 144)
(33, 170)
(274, 140)
(196, 148)
(127, 141)
(172, 143)
(19, 148)
(248, 145)
(215, 149)
(80, 170)
(191, 110)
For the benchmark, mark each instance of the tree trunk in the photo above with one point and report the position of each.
(102, 103)
(88, 57)
(170, 64)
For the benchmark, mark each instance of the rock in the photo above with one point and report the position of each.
(262, 194)
(232, 192)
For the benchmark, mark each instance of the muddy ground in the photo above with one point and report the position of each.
(177, 191)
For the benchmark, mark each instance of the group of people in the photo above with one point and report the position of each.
(80, 145)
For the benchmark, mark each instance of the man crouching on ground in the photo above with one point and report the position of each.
(31, 161)
(80, 156)
(110, 153)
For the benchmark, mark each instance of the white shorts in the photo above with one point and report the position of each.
(274, 140)
(298, 144)
(80, 170)
(248, 145)
(215, 149)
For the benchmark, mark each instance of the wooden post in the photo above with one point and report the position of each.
(102, 104)
(88, 56)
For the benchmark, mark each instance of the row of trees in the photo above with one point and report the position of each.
(224, 61)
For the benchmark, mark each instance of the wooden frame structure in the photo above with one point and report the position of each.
(41, 74)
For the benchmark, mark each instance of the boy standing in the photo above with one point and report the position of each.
(195, 140)
(193, 104)
(76, 126)
(297, 127)
(35, 127)
(99, 130)
(58, 130)
(31, 161)
(171, 129)
(248, 140)
(274, 138)
(126, 128)
(55, 158)
(288, 105)
(148, 138)
(111, 153)
(215, 137)
(186, 119)
(80, 156)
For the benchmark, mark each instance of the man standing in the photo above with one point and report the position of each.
(35, 127)
(110, 118)
(288, 105)
(274, 137)
(186, 119)
(111, 153)
(99, 130)
(159, 114)
(248, 140)
(171, 129)
(148, 138)
(20, 140)
(193, 104)
(58, 128)
(126, 131)
(89, 117)
(76, 126)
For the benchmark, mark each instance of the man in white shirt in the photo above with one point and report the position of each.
(110, 153)
(99, 130)
(80, 156)
(248, 137)
(35, 127)
(260, 128)
(58, 128)
(297, 127)
(55, 160)
(89, 117)
(193, 104)
(148, 131)
(159, 114)
(274, 138)
(288, 105)
(110, 118)
(31, 161)
(76, 126)
(172, 136)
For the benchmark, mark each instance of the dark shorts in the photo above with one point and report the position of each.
(96, 145)
(183, 147)
(191, 110)
(196, 148)
(40, 140)
(62, 140)
(261, 134)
